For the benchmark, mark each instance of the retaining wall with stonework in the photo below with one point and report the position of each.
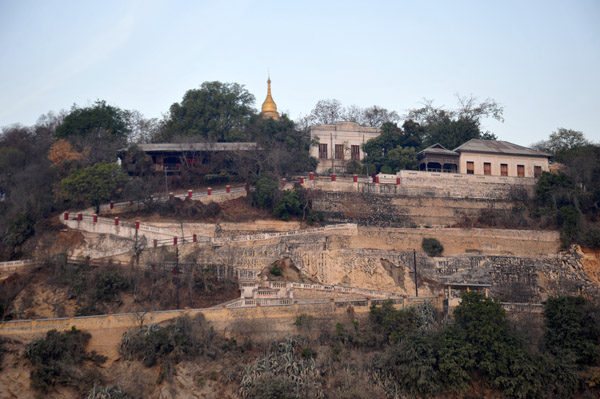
(521, 265)
(398, 210)
(429, 184)
(416, 198)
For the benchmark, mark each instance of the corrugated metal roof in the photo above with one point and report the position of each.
(498, 147)
(438, 149)
(177, 147)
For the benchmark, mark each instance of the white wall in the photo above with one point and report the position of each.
(344, 133)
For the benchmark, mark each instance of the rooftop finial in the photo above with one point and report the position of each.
(269, 108)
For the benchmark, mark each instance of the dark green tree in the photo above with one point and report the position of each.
(94, 185)
(289, 204)
(411, 365)
(452, 128)
(217, 112)
(265, 192)
(573, 325)
(86, 121)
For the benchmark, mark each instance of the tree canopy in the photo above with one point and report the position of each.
(561, 143)
(452, 128)
(215, 112)
(395, 148)
(331, 111)
(94, 185)
(85, 121)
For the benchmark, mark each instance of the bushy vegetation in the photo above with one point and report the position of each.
(286, 204)
(168, 345)
(60, 359)
(479, 344)
(432, 246)
(282, 373)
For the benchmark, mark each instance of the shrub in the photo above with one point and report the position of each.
(265, 192)
(58, 358)
(304, 321)
(410, 366)
(270, 386)
(392, 323)
(276, 270)
(386, 170)
(314, 217)
(290, 204)
(109, 286)
(184, 339)
(591, 237)
(432, 247)
(353, 167)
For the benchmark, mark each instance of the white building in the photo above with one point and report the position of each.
(485, 157)
(339, 144)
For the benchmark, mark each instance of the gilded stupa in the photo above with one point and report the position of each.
(269, 108)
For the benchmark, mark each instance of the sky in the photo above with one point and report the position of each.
(539, 59)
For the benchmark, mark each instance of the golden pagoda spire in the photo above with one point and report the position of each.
(269, 108)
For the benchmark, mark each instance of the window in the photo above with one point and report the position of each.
(537, 172)
(503, 169)
(521, 170)
(322, 151)
(470, 168)
(339, 151)
(487, 168)
(355, 153)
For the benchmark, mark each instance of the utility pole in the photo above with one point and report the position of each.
(416, 280)
(176, 271)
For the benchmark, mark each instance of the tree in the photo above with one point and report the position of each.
(572, 324)
(94, 185)
(562, 141)
(391, 149)
(283, 148)
(85, 121)
(26, 181)
(332, 111)
(402, 158)
(215, 112)
(376, 116)
(452, 128)
(289, 204)
(265, 192)
(326, 112)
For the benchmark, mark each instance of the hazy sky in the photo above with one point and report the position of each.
(539, 59)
